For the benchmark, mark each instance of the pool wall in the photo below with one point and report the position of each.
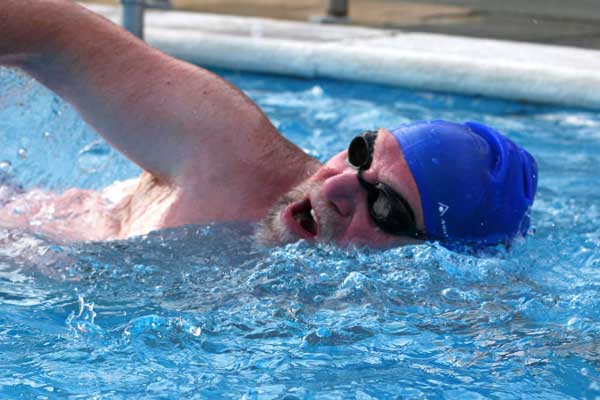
(503, 69)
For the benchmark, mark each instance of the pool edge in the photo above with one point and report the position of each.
(517, 71)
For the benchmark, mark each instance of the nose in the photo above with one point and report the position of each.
(343, 192)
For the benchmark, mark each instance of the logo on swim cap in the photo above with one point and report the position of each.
(476, 185)
(442, 208)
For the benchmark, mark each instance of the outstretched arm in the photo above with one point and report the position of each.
(177, 121)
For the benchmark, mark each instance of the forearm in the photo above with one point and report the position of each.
(174, 119)
(78, 55)
(27, 29)
(64, 45)
(142, 101)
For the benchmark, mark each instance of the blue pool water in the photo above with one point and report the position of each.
(201, 312)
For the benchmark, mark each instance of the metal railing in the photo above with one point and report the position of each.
(336, 13)
(338, 8)
(132, 17)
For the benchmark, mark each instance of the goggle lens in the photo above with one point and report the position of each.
(389, 210)
(360, 150)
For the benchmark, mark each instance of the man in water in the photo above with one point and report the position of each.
(210, 154)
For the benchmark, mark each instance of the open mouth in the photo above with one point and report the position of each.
(305, 217)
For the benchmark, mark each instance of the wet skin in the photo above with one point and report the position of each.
(209, 153)
(332, 206)
(332, 195)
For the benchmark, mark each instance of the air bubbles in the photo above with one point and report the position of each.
(316, 91)
(532, 230)
(455, 295)
(22, 153)
(57, 106)
(249, 395)
(94, 157)
(83, 320)
(5, 166)
(323, 332)
(195, 330)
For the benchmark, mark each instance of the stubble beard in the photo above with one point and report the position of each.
(273, 231)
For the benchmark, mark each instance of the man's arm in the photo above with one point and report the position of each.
(181, 123)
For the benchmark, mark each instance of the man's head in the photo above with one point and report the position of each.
(456, 183)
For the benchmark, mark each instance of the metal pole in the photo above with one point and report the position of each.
(133, 17)
(337, 8)
(337, 13)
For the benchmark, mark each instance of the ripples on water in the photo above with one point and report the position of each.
(202, 312)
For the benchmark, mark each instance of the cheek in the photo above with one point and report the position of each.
(375, 240)
(370, 238)
(361, 231)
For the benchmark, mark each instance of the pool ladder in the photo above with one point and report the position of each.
(337, 13)
(133, 13)
(132, 16)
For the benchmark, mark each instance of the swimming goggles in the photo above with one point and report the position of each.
(387, 208)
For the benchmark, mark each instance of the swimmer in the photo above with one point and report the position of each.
(210, 154)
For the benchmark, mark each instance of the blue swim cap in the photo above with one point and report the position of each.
(476, 185)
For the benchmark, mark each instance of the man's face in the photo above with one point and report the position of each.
(332, 206)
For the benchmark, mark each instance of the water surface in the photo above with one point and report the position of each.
(202, 312)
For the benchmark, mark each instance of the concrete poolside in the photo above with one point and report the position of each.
(569, 23)
(495, 68)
